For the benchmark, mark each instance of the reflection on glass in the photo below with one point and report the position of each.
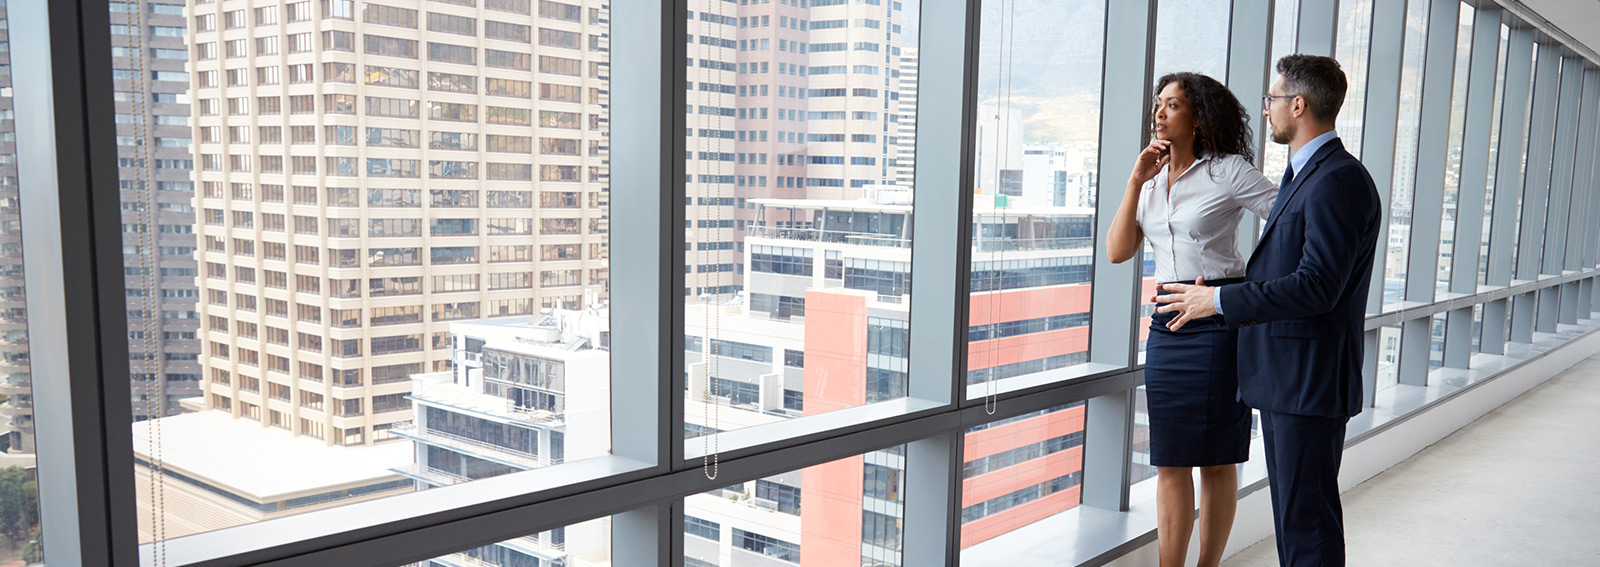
(846, 512)
(22, 543)
(1037, 141)
(1352, 50)
(586, 544)
(1452, 171)
(335, 296)
(1405, 153)
(798, 260)
(1019, 472)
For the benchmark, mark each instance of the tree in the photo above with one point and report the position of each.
(19, 503)
(34, 551)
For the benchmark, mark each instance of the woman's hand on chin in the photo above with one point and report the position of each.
(1154, 157)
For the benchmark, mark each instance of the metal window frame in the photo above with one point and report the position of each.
(1507, 184)
(1472, 191)
(66, 151)
(1427, 196)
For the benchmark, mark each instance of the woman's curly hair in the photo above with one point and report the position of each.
(1221, 123)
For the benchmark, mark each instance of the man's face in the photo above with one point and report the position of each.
(1279, 112)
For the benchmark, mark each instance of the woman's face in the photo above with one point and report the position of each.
(1172, 119)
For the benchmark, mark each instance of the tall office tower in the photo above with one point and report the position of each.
(155, 162)
(16, 381)
(787, 99)
(370, 171)
(906, 161)
(853, 103)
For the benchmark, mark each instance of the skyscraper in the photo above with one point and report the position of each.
(369, 172)
(155, 164)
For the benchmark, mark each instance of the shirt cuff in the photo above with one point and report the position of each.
(1216, 301)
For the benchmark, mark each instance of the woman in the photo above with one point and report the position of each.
(1187, 193)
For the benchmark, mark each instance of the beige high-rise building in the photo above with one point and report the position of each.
(368, 172)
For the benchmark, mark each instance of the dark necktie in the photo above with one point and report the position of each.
(1288, 177)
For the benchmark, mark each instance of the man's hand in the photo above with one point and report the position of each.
(1190, 301)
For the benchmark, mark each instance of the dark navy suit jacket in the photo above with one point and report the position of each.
(1302, 308)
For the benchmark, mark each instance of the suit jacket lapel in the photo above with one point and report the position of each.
(1299, 181)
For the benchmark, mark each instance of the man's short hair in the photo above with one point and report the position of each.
(1317, 79)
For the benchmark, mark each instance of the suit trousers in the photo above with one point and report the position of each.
(1303, 455)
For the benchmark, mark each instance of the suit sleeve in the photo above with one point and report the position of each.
(1339, 223)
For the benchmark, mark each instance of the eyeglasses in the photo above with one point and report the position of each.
(1266, 99)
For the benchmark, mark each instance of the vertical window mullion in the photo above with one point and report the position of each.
(1125, 100)
(1468, 236)
(1508, 184)
(67, 157)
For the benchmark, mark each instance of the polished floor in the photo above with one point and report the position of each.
(1519, 486)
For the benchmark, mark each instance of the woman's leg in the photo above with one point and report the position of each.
(1174, 513)
(1219, 497)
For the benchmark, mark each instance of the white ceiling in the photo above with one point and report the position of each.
(1578, 18)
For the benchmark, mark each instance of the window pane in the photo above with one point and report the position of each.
(19, 489)
(852, 514)
(1405, 153)
(1190, 37)
(1494, 156)
(1355, 43)
(1388, 357)
(1032, 225)
(1019, 472)
(1285, 32)
(1452, 171)
(356, 298)
(587, 544)
(798, 252)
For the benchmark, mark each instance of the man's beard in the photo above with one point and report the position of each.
(1282, 137)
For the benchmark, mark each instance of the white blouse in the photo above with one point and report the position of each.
(1193, 227)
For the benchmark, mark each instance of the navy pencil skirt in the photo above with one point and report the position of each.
(1191, 379)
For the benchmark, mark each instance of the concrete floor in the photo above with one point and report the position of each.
(1519, 486)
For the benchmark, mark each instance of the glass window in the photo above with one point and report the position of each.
(1452, 171)
(1494, 159)
(1285, 34)
(801, 210)
(390, 412)
(1033, 217)
(1354, 44)
(1405, 154)
(587, 544)
(19, 487)
(801, 517)
(1019, 471)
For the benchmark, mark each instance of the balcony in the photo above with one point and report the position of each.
(471, 447)
(429, 475)
(14, 406)
(829, 236)
(1033, 244)
(437, 389)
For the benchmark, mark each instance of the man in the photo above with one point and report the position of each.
(1302, 308)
